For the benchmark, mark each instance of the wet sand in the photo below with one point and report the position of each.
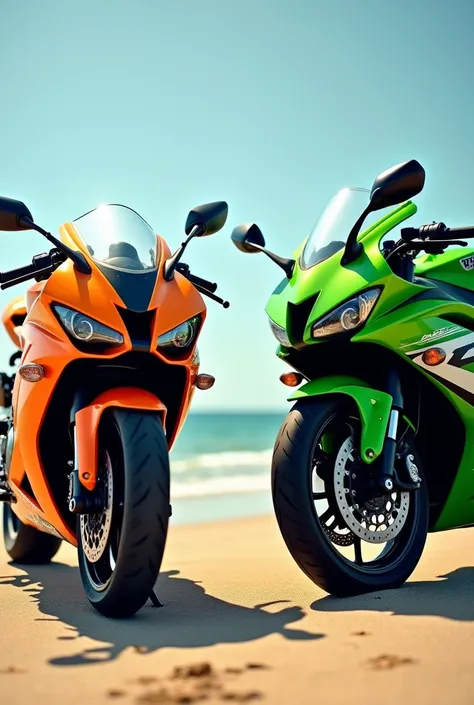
(241, 623)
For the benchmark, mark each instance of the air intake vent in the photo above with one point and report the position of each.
(139, 327)
(298, 315)
(26, 487)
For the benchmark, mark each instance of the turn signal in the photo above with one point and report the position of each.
(204, 381)
(31, 372)
(433, 356)
(291, 379)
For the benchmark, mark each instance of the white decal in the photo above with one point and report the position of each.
(436, 335)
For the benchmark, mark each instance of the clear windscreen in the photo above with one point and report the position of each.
(118, 237)
(333, 226)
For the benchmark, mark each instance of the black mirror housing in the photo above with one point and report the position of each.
(398, 184)
(209, 218)
(11, 214)
(246, 236)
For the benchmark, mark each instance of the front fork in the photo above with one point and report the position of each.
(389, 477)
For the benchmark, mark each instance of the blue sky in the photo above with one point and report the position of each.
(271, 105)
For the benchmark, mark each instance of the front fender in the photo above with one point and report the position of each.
(374, 408)
(87, 422)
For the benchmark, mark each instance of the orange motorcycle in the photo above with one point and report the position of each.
(108, 369)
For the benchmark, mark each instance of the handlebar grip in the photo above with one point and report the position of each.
(202, 283)
(466, 231)
(14, 274)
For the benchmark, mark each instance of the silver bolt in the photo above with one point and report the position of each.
(388, 484)
(411, 458)
(370, 453)
(346, 490)
(353, 493)
(356, 506)
(353, 476)
(364, 512)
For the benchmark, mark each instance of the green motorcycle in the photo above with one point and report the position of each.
(378, 449)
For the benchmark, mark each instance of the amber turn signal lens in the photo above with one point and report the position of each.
(291, 379)
(204, 381)
(31, 372)
(433, 356)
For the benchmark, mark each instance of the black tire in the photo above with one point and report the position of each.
(136, 445)
(25, 544)
(298, 521)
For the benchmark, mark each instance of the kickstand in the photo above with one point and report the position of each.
(154, 599)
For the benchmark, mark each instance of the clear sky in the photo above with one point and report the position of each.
(272, 105)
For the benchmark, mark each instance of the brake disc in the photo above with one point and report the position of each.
(375, 520)
(95, 528)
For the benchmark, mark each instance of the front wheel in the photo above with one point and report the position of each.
(121, 549)
(342, 531)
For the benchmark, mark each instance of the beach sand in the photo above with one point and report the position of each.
(249, 623)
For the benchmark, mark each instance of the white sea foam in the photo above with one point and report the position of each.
(211, 487)
(225, 460)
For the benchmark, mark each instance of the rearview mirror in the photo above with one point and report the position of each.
(245, 237)
(398, 184)
(11, 214)
(210, 218)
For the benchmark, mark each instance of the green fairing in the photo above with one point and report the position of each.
(394, 324)
(336, 283)
(374, 408)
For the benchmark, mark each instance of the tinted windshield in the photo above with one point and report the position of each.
(118, 237)
(333, 226)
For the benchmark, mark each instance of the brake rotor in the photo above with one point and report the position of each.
(95, 528)
(376, 520)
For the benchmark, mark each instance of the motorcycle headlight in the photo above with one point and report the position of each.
(280, 334)
(86, 329)
(180, 337)
(349, 316)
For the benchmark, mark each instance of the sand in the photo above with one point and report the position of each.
(241, 623)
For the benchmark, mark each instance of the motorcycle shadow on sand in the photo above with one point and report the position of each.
(449, 596)
(190, 617)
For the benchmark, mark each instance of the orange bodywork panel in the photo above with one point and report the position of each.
(12, 318)
(88, 420)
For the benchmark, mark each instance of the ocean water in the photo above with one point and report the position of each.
(220, 466)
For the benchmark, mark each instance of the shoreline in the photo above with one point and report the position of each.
(215, 508)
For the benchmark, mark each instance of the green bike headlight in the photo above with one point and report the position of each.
(350, 315)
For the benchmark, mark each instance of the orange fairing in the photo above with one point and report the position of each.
(87, 425)
(13, 317)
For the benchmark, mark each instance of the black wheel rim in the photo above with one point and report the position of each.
(347, 545)
(100, 538)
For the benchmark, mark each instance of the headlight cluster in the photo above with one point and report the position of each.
(87, 329)
(350, 315)
(280, 334)
(181, 337)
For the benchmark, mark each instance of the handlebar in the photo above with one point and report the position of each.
(13, 274)
(203, 283)
(437, 231)
(41, 266)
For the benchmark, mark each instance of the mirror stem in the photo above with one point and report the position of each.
(170, 264)
(354, 249)
(80, 262)
(288, 265)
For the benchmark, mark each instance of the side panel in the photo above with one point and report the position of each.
(374, 408)
(422, 327)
